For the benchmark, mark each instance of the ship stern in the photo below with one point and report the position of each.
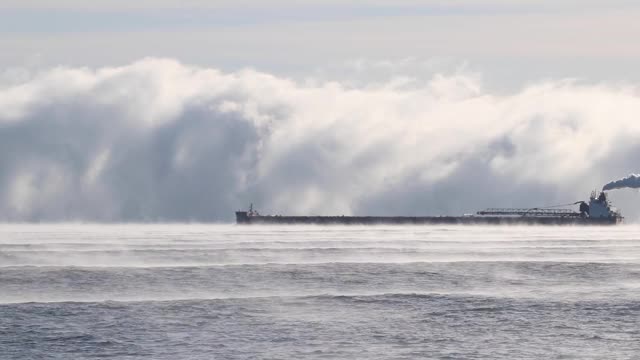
(242, 217)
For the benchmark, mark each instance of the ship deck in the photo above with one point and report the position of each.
(425, 220)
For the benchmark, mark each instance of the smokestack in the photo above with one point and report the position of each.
(631, 181)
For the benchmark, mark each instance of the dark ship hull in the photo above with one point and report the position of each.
(244, 218)
(598, 211)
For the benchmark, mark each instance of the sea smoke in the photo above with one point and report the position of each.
(157, 140)
(631, 181)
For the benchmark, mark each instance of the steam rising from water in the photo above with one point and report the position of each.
(151, 262)
(631, 181)
(234, 292)
(159, 140)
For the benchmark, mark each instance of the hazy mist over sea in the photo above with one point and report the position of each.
(375, 292)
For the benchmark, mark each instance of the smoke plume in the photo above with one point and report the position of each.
(158, 140)
(631, 181)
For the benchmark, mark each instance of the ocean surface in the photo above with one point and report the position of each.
(318, 292)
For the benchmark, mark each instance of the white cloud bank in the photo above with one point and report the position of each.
(161, 141)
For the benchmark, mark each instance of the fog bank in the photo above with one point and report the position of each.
(158, 140)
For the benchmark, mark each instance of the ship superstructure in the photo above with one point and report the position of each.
(598, 211)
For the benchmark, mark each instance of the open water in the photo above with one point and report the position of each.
(312, 292)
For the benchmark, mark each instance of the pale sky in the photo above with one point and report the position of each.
(509, 42)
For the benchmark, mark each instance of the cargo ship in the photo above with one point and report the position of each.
(598, 211)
